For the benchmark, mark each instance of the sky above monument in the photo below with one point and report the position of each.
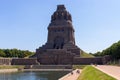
(23, 23)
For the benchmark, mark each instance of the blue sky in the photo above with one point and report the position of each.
(23, 23)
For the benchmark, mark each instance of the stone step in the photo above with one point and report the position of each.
(48, 67)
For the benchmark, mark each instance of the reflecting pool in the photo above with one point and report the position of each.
(33, 75)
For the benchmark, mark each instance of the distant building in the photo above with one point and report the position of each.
(60, 47)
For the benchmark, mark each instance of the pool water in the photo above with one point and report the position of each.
(42, 75)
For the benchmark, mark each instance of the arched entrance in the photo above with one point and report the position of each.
(58, 43)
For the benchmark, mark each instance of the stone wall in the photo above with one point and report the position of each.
(56, 57)
(18, 61)
(5, 61)
(106, 59)
(59, 59)
(86, 61)
(24, 61)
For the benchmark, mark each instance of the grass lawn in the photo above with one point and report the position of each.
(91, 73)
(11, 67)
(86, 55)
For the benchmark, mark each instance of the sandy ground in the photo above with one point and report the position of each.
(113, 71)
(71, 76)
(8, 70)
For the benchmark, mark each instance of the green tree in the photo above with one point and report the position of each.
(113, 51)
(2, 54)
(15, 53)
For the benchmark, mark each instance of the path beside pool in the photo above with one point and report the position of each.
(113, 71)
(72, 75)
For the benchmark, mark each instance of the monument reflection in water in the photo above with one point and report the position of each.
(43, 75)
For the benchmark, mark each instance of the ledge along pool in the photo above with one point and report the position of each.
(33, 75)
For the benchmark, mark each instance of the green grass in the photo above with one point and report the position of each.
(91, 73)
(11, 67)
(78, 66)
(86, 55)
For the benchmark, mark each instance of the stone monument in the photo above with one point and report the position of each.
(60, 47)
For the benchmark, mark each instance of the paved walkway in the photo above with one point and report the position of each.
(71, 76)
(8, 70)
(113, 71)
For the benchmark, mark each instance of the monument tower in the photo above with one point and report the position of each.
(60, 47)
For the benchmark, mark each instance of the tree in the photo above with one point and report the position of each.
(113, 51)
(2, 54)
(15, 53)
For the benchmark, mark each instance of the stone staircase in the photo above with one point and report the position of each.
(73, 48)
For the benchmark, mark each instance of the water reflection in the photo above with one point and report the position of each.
(42, 75)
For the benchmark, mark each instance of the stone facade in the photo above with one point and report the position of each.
(54, 60)
(88, 61)
(5, 61)
(24, 61)
(18, 61)
(60, 47)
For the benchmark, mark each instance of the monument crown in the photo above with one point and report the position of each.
(61, 7)
(61, 14)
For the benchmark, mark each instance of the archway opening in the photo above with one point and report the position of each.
(58, 43)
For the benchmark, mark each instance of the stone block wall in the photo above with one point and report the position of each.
(24, 61)
(5, 61)
(55, 60)
(56, 57)
(106, 59)
(87, 61)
